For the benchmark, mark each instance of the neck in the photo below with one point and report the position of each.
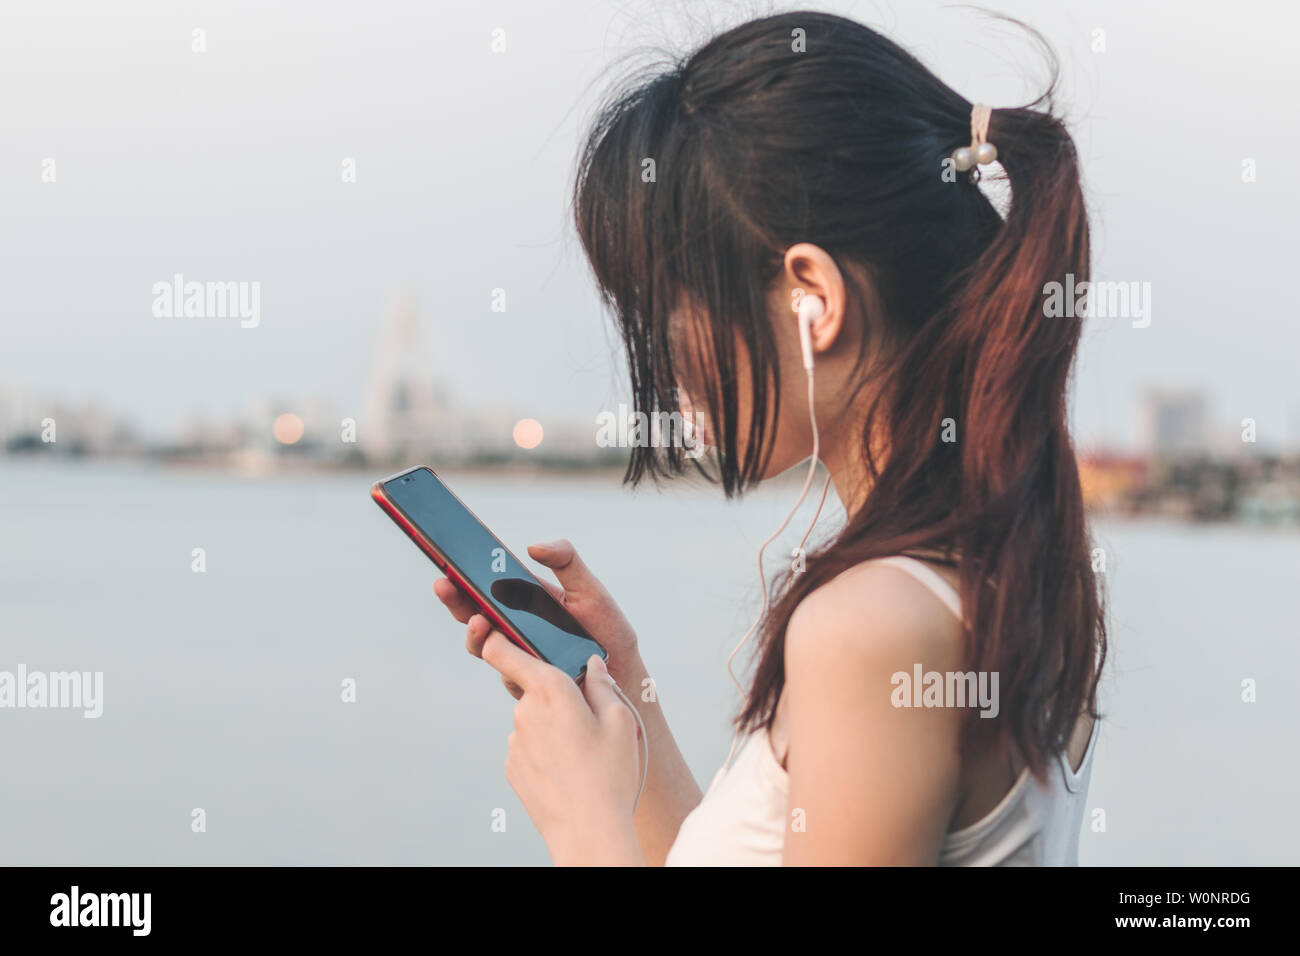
(841, 453)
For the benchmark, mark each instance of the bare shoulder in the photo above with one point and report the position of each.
(848, 742)
(875, 614)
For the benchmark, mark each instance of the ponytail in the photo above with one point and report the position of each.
(1020, 498)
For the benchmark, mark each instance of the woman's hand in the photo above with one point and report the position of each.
(670, 790)
(581, 594)
(573, 757)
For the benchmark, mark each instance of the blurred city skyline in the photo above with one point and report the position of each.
(1188, 463)
(405, 410)
(403, 414)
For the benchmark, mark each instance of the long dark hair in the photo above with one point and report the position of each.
(758, 143)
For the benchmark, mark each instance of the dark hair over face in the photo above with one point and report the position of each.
(758, 145)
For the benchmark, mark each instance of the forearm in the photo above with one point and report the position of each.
(670, 790)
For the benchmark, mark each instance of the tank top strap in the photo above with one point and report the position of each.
(927, 577)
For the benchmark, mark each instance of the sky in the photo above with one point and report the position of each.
(225, 165)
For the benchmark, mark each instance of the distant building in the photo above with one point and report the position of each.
(76, 427)
(1174, 423)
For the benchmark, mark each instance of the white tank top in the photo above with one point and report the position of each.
(743, 817)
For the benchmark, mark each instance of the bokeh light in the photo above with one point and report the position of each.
(288, 428)
(528, 433)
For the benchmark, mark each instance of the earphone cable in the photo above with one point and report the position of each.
(641, 734)
(812, 470)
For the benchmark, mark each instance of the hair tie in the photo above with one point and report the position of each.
(980, 151)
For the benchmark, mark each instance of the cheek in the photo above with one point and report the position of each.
(792, 441)
(696, 419)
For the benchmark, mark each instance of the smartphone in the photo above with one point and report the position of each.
(507, 593)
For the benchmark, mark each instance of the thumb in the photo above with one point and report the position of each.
(598, 688)
(567, 567)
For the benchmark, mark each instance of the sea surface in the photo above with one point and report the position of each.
(223, 689)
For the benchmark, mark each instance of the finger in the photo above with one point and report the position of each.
(514, 663)
(456, 600)
(561, 557)
(477, 628)
(515, 690)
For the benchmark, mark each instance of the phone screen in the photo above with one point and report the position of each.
(515, 594)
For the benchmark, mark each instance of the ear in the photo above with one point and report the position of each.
(810, 270)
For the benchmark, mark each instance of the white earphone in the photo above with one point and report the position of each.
(810, 309)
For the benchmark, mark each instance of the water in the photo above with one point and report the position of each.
(222, 689)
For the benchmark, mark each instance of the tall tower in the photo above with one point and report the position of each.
(401, 407)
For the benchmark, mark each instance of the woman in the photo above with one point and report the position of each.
(797, 156)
